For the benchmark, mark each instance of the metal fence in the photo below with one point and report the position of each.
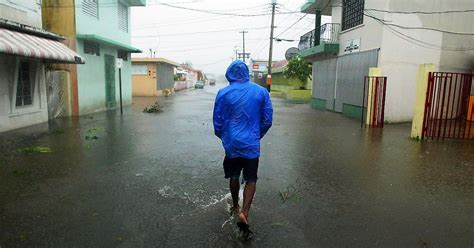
(325, 34)
(373, 102)
(447, 107)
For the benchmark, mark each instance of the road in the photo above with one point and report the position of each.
(156, 180)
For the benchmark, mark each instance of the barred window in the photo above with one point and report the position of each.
(121, 54)
(24, 87)
(91, 8)
(92, 48)
(352, 13)
(123, 17)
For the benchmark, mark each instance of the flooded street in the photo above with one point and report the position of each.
(156, 180)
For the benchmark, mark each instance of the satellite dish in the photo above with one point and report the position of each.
(291, 53)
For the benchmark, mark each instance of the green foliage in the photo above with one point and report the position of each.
(155, 108)
(35, 149)
(299, 69)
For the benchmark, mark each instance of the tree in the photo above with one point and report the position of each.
(298, 68)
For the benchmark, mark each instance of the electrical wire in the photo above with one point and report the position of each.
(388, 23)
(202, 32)
(415, 40)
(291, 26)
(422, 12)
(216, 62)
(221, 13)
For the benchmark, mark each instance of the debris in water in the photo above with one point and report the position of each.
(139, 175)
(92, 137)
(95, 130)
(155, 108)
(289, 193)
(276, 224)
(35, 149)
(424, 244)
(58, 132)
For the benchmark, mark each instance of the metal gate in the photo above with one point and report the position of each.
(447, 107)
(373, 102)
(339, 81)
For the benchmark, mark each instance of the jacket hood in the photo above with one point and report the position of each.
(237, 72)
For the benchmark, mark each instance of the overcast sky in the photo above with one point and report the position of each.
(166, 30)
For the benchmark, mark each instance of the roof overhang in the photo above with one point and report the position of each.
(135, 2)
(109, 42)
(155, 60)
(311, 6)
(28, 45)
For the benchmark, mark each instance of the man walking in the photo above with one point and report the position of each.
(242, 116)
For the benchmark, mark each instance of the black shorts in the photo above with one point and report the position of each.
(233, 167)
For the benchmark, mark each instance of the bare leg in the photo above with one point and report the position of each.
(234, 191)
(249, 192)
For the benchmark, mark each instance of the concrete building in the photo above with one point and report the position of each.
(258, 71)
(393, 35)
(26, 50)
(291, 88)
(152, 76)
(100, 32)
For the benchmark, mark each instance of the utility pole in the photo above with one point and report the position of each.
(269, 75)
(236, 50)
(243, 32)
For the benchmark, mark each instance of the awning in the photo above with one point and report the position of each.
(28, 45)
(109, 42)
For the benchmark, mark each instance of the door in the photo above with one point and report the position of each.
(109, 81)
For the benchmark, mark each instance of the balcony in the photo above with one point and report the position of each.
(323, 41)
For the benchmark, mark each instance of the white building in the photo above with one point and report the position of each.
(24, 51)
(393, 35)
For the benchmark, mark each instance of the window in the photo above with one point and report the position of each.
(92, 48)
(122, 16)
(91, 8)
(24, 88)
(139, 69)
(352, 13)
(122, 55)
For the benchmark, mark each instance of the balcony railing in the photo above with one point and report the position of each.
(327, 33)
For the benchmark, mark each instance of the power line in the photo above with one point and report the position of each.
(421, 12)
(216, 62)
(292, 25)
(415, 40)
(221, 13)
(202, 32)
(385, 22)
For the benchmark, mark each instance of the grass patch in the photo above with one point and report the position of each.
(35, 149)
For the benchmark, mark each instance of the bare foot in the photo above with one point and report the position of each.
(243, 218)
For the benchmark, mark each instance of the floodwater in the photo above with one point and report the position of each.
(156, 180)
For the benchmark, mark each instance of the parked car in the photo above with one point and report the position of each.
(212, 82)
(199, 85)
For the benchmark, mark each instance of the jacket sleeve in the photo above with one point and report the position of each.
(217, 116)
(267, 115)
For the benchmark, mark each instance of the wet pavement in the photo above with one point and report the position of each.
(156, 180)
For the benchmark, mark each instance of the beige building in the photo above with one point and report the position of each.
(152, 76)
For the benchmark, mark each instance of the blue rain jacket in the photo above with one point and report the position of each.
(243, 113)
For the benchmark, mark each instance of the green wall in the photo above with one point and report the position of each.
(352, 111)
(91, 78)
(318, 103)
(107, 23)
